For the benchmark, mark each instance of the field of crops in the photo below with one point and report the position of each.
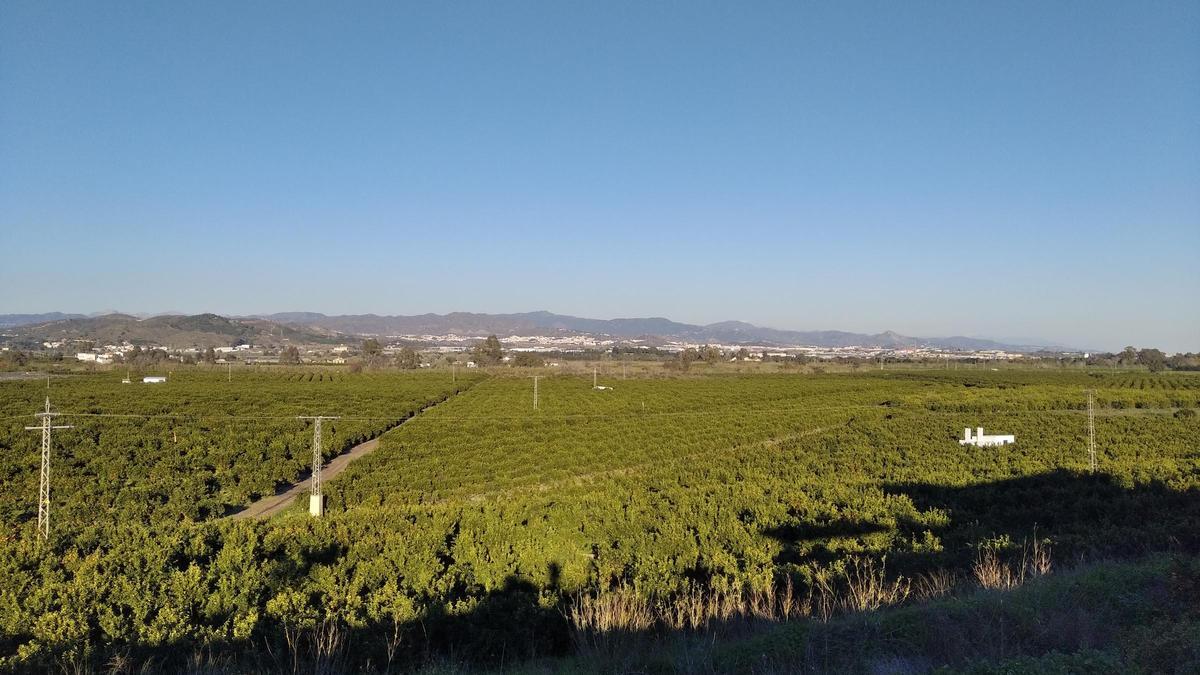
(663, 482)
(479, 522)
(192, 448)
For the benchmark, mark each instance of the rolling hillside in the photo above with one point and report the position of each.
(200, 330)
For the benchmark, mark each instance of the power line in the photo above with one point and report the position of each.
(738, 409)
(217, 418)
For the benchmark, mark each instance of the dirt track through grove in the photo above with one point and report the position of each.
(269, 506)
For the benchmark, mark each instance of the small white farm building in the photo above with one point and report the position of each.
(979, 440)
(153, 379)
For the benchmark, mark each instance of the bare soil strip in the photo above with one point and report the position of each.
(265, 507)
(269, 506)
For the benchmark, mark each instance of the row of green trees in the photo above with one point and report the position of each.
(1152, 359)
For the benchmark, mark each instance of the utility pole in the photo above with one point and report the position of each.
(44, 480)
(594, 381)
(229, 372)
(535, 392)
(1092, 430)
(316, 500)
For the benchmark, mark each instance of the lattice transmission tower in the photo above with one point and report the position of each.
(1092, 430)
(45, 427)
(316, 500)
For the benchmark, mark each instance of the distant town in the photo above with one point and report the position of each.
(536, 339)
(435, 346)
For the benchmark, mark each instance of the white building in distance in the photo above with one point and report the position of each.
(153, 379)
(979, 440)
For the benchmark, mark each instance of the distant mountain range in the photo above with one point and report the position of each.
(548, 323)
(14, 320)
(216, 330)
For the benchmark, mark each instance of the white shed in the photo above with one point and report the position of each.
(979, 440)
(153, 379)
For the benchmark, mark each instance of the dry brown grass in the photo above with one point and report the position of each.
(617, 623)
(623, 610)
(935, 584)
(868, 588)
(865, 586)
(992, 571)
(619, 610)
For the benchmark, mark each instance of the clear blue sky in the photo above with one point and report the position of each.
(998, 169)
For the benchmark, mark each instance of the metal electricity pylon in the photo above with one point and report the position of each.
(44, 480)
(316, 501)
(1092, 431)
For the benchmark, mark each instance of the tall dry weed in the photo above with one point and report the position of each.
(992, 572)
(623, 610)
(868, 587)
(934, 584)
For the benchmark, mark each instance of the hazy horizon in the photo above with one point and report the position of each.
(1006, 339)
(928, 169)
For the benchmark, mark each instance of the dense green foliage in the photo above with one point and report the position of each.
(477, 520)
(733, 480)
(189, 449)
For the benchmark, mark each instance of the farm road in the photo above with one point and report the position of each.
(269, 506)
(266, 507)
